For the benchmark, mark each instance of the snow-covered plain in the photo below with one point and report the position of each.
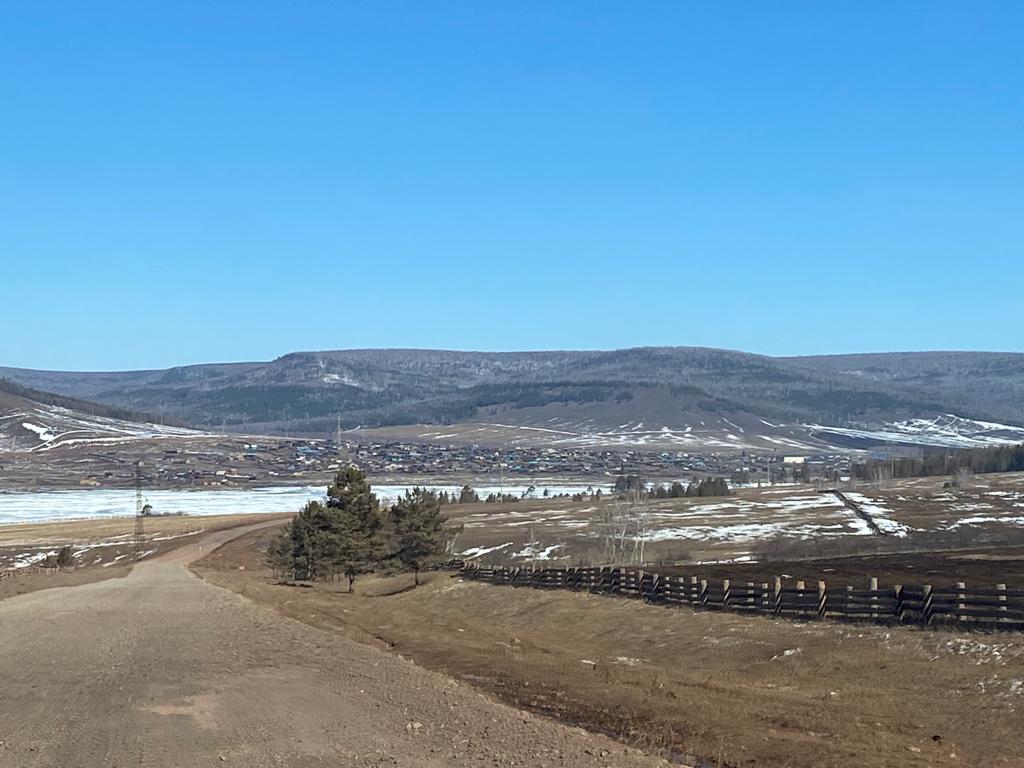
(42, 506)
(729, 520)
(802, 516)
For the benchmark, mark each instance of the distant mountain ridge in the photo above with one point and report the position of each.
(310, 392)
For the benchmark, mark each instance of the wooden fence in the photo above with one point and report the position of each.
(959, 606)
(8, 573)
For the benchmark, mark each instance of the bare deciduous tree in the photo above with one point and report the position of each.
(623, 527)
(963, 477)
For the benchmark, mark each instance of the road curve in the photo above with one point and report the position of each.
(162, 669)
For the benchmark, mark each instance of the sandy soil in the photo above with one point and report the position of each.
(162, 669)
(746, 691)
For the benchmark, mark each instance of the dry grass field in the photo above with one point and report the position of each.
(781, 522)
(730, 689)
(32, 581)
(102, 547)
(100, 529)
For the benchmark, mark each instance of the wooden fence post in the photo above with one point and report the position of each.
(1002, 601)
(800, 588)
(694, 592)
(766, 605)
(873, 586)
(961, 601)
(655, 586)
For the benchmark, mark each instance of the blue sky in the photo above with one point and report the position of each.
(188, 182)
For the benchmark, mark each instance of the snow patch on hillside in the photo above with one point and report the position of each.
(44, 433)
(53, 427)
(949, 430)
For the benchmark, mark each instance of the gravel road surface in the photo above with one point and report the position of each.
(161, 669)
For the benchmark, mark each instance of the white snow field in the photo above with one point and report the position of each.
(43, 506)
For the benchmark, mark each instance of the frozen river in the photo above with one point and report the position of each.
(42, 506)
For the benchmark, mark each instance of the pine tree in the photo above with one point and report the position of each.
(355, 545)
(65, 557)
(279, 553)
(415, 530)
(309, 535)
(341, 535)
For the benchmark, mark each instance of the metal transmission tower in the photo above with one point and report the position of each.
(139, 528)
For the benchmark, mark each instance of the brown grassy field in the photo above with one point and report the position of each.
(735, 690)
(103, 547)
(780, 522)
(23, 583)
(100, 529)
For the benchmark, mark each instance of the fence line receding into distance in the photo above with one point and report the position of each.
(959, 606)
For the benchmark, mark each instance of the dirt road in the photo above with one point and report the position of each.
(161, 669)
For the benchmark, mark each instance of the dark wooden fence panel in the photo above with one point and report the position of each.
(960, 606)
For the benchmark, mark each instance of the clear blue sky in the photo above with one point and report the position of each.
(194, 181)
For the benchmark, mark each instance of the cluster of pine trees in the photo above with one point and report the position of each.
(500, 498)
(627, 483)
(465, 496)
(709, 486)
(348, 533)
(588, 495)
(1002, 458)
(468, 495)
(64, 558)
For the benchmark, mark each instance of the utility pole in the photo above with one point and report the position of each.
(139, 528)
(501, 475)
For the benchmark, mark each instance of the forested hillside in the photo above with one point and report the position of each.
(389, 387)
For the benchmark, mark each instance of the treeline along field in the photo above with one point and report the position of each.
(1001, 458)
